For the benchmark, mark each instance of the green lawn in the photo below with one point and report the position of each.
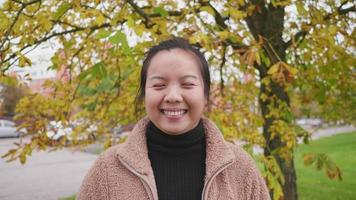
(68, 198)
(313, 184)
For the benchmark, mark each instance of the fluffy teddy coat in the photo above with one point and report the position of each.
(124, 171)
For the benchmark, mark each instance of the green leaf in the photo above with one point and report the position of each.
(86, 91)
(91, 106)
(4, 21)
(300, 8)
(208, 9)
(103, 34)
(161, 11)
(115, 39)
(105, 85)
(130, 22)
(98, 70)
(120, 38)
(63, 8)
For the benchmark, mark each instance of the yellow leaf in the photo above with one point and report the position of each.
(208, 9)
(24, 61)
(258, 58)
(224, 35)
(237, 14)
(273, 69)
(100, 19)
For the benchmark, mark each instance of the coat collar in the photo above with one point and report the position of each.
(134, 151)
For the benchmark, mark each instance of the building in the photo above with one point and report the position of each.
(36, 75)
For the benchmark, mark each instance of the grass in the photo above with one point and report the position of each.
(68, 198)
(313, 184)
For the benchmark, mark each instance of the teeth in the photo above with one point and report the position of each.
(174, 113)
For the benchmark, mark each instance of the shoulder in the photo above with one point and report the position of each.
(246, 174)
(244, 165)
(96, 182)
(103, 162)
(242, 158)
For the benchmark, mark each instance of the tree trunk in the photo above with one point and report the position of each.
(287, 167)
(266, 23)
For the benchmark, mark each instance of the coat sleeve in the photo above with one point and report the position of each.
(254, 185)
(95, 183)
(257, 189)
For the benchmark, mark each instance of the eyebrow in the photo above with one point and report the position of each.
(157, 77)
(184, 77)
(189, 76)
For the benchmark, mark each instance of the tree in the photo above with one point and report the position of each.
(269, 56)
(10, 94)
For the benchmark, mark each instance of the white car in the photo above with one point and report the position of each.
(8, 129)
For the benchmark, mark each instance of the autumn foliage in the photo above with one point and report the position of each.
(270, 60)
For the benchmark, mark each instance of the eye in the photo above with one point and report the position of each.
(158, 86)
(188, 85)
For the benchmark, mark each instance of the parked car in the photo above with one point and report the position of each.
(8, 129)
(310, 122)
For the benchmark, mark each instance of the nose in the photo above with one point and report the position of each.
(173, 95)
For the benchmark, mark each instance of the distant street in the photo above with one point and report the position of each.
(45, 176)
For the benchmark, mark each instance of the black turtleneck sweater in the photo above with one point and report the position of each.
(178, 162)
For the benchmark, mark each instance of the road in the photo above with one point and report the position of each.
(45, 176)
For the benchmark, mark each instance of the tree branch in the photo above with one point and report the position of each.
(222, 64)
(93, 28)
(341, 11)
(346, 10)
(299, 37)
(23, 6)
(170, 13)
(220, 21)
(148, 22)
(218, 18)
(147, 16)
(254, 20)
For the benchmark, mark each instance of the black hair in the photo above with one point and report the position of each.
(166, 45)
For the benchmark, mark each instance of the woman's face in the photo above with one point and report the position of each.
(174, 91)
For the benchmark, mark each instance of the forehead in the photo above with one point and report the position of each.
(174, 62)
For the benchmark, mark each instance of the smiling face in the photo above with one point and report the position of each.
(174, 91)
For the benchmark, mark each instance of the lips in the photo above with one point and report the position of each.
(174, 112)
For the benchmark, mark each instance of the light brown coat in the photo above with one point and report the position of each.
(124, 171)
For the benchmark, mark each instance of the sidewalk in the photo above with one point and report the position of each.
(45, 176)
(329, 131)
(319, 133)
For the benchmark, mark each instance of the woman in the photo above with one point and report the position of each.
(174, 152)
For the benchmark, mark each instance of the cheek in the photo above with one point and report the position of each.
(152, 100)
(197, 100)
